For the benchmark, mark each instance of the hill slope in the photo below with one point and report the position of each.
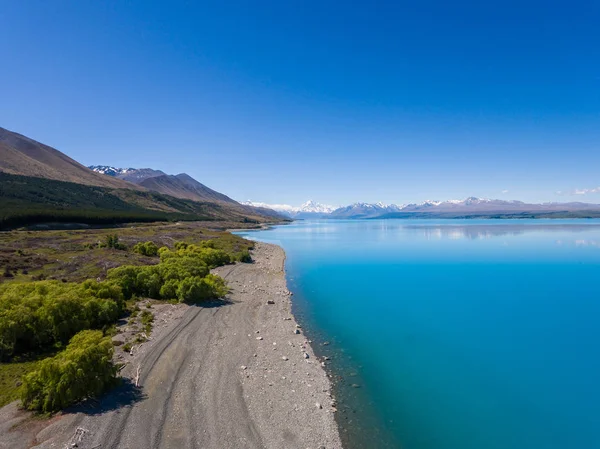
(184, 186)
(27, 200)
(20, 155)
(40, 184)
(179, 186)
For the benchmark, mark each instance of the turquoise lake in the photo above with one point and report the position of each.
(451, 334)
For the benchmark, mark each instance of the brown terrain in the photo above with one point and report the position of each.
(20, 155)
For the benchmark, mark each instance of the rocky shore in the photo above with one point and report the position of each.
(233, 374)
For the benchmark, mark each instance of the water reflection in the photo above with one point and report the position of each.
(473, 232)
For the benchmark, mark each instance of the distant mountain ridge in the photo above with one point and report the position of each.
(179, 186)
(471, 206)
(135, 175)
(310, 209)
(39, 184)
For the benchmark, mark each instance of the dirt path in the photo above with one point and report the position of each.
(234, 375)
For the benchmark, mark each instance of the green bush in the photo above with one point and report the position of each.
(210, 256)
(169, 289)
(147, 319)
(112, 241)
(195, 289)
(180, 245)
(182, 274)
(84, 369)
(40, 314)
(181, 267)
(146, 249)
(244, 256)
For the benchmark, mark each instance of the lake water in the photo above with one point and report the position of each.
(451, 334)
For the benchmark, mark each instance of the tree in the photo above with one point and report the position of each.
(146, 249)
(197, 289)
(112, 241)
(84, 369)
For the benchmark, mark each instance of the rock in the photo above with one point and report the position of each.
(287, 319)
(305, 355)
(259, 338)
(325, 343)
(355, 386)
(318, 404)
(244, 367)
(284, 358)
(296, 331)
(270, 301)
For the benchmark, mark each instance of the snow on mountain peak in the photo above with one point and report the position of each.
(313, 206)
(109, 170)
(309, 206)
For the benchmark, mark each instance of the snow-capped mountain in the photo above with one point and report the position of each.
(365, 210)
(310, 209)
(468, 204)
(110, 171)
(135, 175)
(313, 206)
(471, 206)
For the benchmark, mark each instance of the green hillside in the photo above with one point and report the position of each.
(26, 200)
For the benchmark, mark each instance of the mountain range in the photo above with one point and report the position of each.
(470, 207)
(310, 209)
(39, 183)
(179, 186)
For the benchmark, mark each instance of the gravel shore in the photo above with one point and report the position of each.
(238, 374)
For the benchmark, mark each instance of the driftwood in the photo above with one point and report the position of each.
(76, 438)
(137, 375)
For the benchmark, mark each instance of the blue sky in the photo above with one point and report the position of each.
(334, 101)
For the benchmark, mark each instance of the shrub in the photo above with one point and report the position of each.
(146, 249)
(125, 277)
(36, 315)
(244, 256)
(148, 282)
(147, 317)
(112, 241)
(147, 320)
(182, 274)
(84, 369)
(211, 257)
(182, 267)
(197, 289)
(180, 245)
(169, 289)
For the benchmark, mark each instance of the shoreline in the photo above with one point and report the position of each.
(234, 373)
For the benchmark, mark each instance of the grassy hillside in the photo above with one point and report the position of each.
(28, 200)
(20, 155)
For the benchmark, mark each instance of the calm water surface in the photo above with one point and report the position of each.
(454, 334)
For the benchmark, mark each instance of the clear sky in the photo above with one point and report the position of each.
(337, 101)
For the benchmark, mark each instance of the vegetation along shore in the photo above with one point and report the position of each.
(164, 335)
